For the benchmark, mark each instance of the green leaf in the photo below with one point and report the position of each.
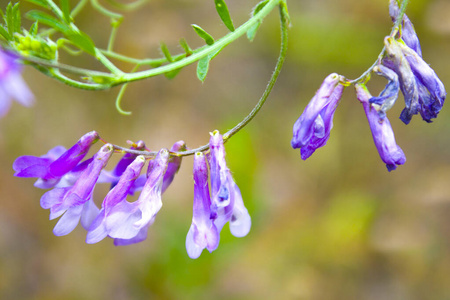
(16, 18)
(78, 38)
(34, 28)
(44, 18)
(259, 6)
(81, 40)
(65, 8)
(166, 52)
(252, 31)
(224, 14)
(5, 33)
(41, 3)
(203, 34)
(9, 19)
(202, 68)
(186, 47)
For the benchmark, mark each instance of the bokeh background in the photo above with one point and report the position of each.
(337, 226)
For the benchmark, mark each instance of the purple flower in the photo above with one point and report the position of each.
(227, 204)
(408, 34)
(50, 168)
(431, 90)
(104, 223)
(312, 129)
(235, 213)
(76, 202)
(174, 164)
(220, 191)
(172, 167)
(423, 90)
(12, 84)
(202, 233)
(389, 95)
(383, 136)
(396, 61)
(128, 222)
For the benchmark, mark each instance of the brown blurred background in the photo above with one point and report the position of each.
(337, 226)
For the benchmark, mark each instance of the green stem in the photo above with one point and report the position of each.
(55, 73)
(256, 109)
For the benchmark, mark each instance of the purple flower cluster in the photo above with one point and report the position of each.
(405, 71)
(12, 85)
(72, 182)
(422, 89)
(213, 210)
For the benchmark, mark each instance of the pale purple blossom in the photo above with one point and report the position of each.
(128, 222)
(202, 233)
(312, 129)
(383, 136)
(12, 86)
(220, 191)
(104, 223)
(50, 168)
(76, 202)
(232, 209)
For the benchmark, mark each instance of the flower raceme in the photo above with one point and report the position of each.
(72, 182)
(12, 85)
(312, 129)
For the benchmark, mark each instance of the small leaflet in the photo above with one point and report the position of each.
(224, 14)
(202, 68)
(203, 34)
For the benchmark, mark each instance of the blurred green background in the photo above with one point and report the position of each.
(337, 226)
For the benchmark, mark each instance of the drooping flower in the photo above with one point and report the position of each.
(431, 90)
(383, 136)
(100, 228)
(312, 129)
(389, 95)
(396, 61)
(12, 86)
(423, 91)
(227, 204)
(50, 168)
(76, 202)
(220, 191)
(202, 233)
(128, 222)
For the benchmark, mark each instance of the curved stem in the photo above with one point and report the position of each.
(394, 31)
(256, 109)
